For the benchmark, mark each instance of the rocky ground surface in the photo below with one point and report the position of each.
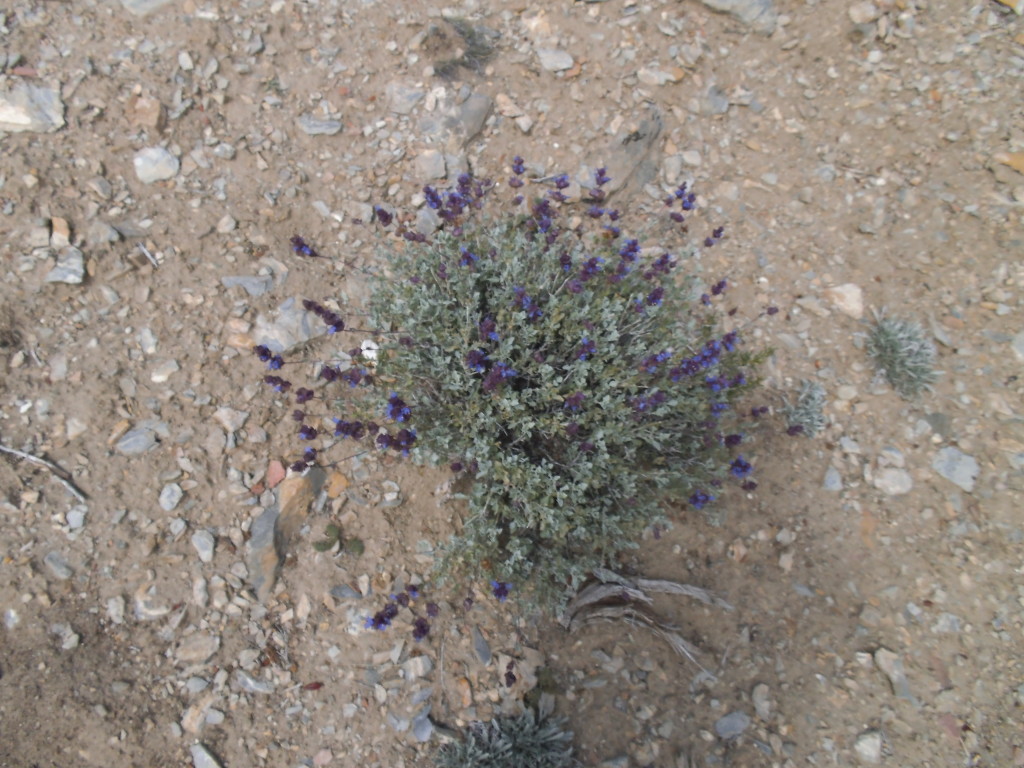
(156, 159)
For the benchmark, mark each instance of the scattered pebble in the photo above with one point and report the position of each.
(554, 59)
(833, 480)
(315, 126)
(732, 725)
(170, 495)
(70, 267)
(848, 299)
(957, 467)
(201, 757)
(27, 107)
(58, 566)
(155, 164)
(893, 481)
(202, 540)
(868, 747)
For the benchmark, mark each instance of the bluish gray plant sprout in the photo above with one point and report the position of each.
(806, 416)
(573, 378)
(521, 741)
(902, 354)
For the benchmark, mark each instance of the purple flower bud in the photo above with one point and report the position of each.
(384, 217)
(307, 432)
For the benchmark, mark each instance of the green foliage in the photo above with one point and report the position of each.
(524, 741)
(572, 450)
(902, 354)
(806, 414)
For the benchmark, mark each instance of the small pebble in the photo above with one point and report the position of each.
(732, 725)
(58, 566)
(170, 496)
(869, 747)
(202, 540)
(155, 164)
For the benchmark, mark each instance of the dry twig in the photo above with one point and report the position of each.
(57, 471)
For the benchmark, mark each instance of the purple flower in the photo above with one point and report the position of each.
(404, 440)
(433, 610)
(420, 629)
(327, 373)
(384, 217)
(574, 401)
(719, 287)
(500, 590)
(397, 410)
(795, 429)
(298, 415)
(309, 455)
(307, 432)
(772, 311)
(654, 298)
(572, 429)
(587, 447)
(489, 329)
(475, 359)
(412, 590)
(455, 466)
(518, 168)
(468, 257)
(731, 441)
(383, 440)
(630, 250)
(303, 395)
(276, 363)
(263, 353)
(402, 599)
(740, 467)
(586, 349)
(301, 247)
(590, 267)
(601, 177)
(699, 499)
(277, 383)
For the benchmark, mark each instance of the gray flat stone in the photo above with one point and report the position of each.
(70, 267)
(142, 7)
(315, 126)
(554, 59)
(402, 98)
(203, 541)
(957, 467)
(759, 15)
(833, 480)
(732, 725)
(254, 285)
(58, 566)
(136, 442)
(170, 495)
(291, 326)
(32, 108)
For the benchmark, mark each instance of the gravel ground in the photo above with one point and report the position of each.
(157, 157)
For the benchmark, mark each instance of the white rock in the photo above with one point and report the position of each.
(230, 419)
(170, 496)
(893, 482)
(201, 757)
(155, 164)
(651, 76)
(31, 108)
(70, 267)
(848, 299)
(554, 59)
(163, 371)
(226, 224)
(863, 13)
(417, 666)
(203, 542)
(869, 747)
(197, 648)
(115, 609)
(430, 165)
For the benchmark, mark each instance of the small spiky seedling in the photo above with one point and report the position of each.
(902, 354)
(522, 741)
(805, 416)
